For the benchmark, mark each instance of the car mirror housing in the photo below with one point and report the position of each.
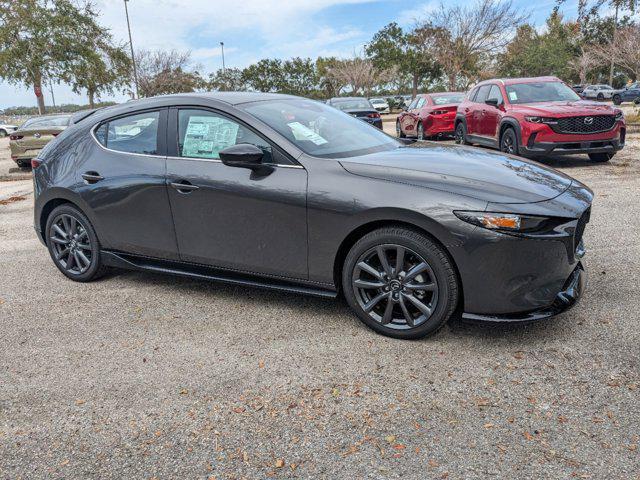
(492, 101)
(243, 155)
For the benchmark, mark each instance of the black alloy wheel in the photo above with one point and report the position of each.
(509, 142)
(461, 134)
(73, 244)
(400, 283)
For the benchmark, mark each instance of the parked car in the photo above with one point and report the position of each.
(6, 129)
(407, 99)
(598, 92)
(630, 93)
(289, 194)
(429, 115)
(578, 88)
(380, 104)
(537, 117)
(27, 141)
(358, 107)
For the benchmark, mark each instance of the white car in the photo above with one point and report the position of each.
(380, 104)
(7, 129)
(598, 92)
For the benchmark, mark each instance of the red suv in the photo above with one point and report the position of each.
(429, 115)
(537, 117)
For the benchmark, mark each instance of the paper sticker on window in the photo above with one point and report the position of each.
(513, 96)
(207, 135)
(302, 132)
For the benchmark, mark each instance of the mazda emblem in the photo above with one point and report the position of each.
(588, 120)
(37, 135)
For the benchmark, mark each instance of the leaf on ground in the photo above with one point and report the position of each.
(279, 463)
(527, 435)
(433, 463)
(390, 438)
(261, 364)
(79, 401)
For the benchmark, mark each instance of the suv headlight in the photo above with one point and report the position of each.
(619, 115)
(506, 222)
(547, 120)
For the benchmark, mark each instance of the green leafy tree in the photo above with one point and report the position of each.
(265, 76)
(328, 85)
(227, 80)
(299, 77)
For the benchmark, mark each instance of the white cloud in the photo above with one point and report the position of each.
(422, 11)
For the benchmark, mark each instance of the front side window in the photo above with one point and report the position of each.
(202, 134)
(536, 92)
(495, 94)
(320, 130)
(131, 134)
(483, 93)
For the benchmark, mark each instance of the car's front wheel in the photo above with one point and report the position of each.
(420, 131)
(460, 135)
(73, 244)
(600, 97)
(617, 99)
(509, 142)
(400, 283)
(600, 157)
(3, 133)
(399, 132)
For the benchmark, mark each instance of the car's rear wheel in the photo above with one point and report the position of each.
(73, 244)
(600, 97)
(400, 283)
(600, 157)
(617, 99)
(509, 142)
(3, 133)
(399, 133)
(460, 135)
(420, 131)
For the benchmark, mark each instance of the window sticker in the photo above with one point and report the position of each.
(302, 132)
(207, 135)
(513, 96)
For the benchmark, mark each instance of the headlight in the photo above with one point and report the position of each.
(507, 222)
(541, 120)
(619, 115)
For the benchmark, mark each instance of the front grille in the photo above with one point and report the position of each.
(586, 124)
(580, 226)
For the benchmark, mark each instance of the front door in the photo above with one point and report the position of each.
(491, 115)
(230, 217)
(122, 174)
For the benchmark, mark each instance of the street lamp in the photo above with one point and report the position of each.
(222, 47)
(133, 57)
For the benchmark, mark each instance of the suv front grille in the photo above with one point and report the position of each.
(585, 124)
(580, 226)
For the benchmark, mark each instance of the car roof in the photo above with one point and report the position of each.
(337, 99)
(512, 81)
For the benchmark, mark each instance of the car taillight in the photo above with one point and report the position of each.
(55, 134)
(35, 163)
(16, 137)
(439, 112)
(374, 115)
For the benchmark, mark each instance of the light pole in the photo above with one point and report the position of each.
(133, 57)
(222, 47)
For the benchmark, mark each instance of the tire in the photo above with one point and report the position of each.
(600, 97)
(381, 301)
(460, 135)
(637, 101)
(23, 163)
(509, 142)
(75, 235)
(617, 99)
(600, 157)
(420, 135)
(3, 133)
(399, 133)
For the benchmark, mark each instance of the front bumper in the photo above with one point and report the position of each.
(565, 299)
(572, 148)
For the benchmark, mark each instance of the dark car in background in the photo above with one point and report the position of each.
(31, 137)
(630, 93)
(578, 88)
(358, 107)
(429, 115)
(287, 193)
(537, 117)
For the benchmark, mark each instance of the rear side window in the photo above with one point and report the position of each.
(131, 134)
(483, 93)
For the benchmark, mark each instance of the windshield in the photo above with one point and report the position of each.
(377, 100)
(352, 104)
(447, 98)
(319, 130)
(540, 92)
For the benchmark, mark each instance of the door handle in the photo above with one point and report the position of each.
(92, 177)
(466, 110)
(184, 186)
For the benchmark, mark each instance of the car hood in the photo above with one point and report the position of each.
(565, 109)
(484, 175)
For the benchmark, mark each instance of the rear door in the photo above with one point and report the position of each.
(124, 182)
(474, 127)
(230, 217)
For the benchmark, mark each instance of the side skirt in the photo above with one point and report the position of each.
(202, 272)
(485, 141)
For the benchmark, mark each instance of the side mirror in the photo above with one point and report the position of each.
(492, 101)
(243, 155)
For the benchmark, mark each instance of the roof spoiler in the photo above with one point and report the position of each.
(81, 115)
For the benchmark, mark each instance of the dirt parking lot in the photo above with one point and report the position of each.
(144, 376)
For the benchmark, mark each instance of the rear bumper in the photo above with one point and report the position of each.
(570, 294)
(572, 148)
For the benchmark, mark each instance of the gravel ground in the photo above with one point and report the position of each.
(144, 376)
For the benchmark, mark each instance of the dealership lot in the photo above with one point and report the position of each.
(146, 376)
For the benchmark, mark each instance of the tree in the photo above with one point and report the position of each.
(329, 85)
(265, 75)
(625, 50)
(299, 77)
(464, 39)
(359, 74)
(406, 52)
(227, 80)
(43, 39)
(164, 72)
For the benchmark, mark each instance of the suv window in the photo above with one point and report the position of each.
(420, 103)
(132, 134)
(495, 93)
(202, 134)
(483, 92)
(473, 94)
(413, 104)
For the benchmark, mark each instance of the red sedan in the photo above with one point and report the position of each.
(429, 115)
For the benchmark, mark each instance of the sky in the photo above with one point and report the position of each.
(255, 29)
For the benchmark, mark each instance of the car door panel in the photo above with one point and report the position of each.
(236, 217)
(128, 195)
(491, 115)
